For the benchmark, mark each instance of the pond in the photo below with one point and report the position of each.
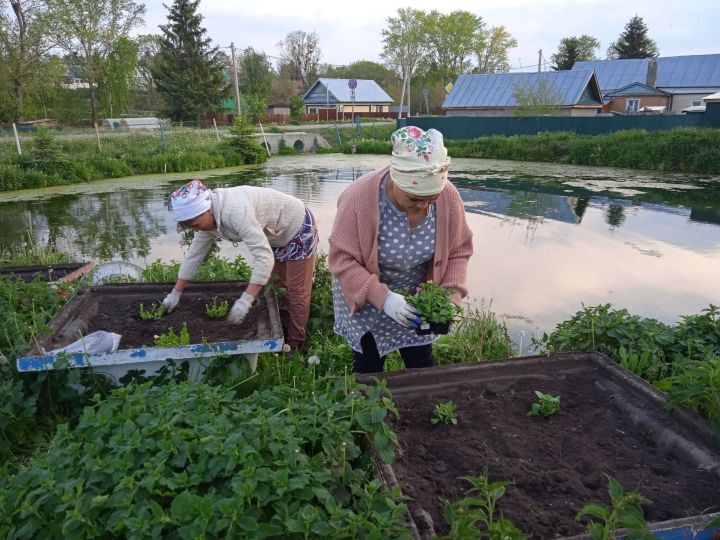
(547, 238)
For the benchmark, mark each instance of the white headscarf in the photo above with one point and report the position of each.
(420, 163)
(190, 200)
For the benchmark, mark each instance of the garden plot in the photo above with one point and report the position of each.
(609, 423)
(64, 272)
(116, 308)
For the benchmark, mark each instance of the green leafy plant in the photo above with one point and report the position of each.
(624, 512)
(474, 517)
(279, 463)
(242, 140)
(445, 413)
(171, 339)
(433, 303)
(155, 312)
(217, 309)
(547, 405)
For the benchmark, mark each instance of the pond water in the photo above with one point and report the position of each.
(547, 238)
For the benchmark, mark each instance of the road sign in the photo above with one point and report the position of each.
(449, 87)
(426, 92)
(352, 84)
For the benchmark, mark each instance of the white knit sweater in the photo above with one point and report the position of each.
(259, 217)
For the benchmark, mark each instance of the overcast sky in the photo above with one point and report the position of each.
(351, 31)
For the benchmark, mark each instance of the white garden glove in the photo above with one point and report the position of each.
(398, 309)
(171, 300)
(240, 308)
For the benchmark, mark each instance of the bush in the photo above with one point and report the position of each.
(242, 140)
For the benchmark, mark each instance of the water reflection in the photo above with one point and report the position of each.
(547, 238)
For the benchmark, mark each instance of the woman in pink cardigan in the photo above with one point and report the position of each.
(395, 228)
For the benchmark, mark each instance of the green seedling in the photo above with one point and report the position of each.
(170, 338)
(216, 309)
(153, 314)
(433, 303)
(475, 515)
(546, 406)
(624, 512)
(445, 413)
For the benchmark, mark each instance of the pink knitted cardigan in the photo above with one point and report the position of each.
(353, 256)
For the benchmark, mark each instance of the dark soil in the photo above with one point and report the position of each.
(556, 464)
(121, 314)
(46, 272)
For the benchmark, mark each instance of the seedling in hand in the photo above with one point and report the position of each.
(153, 314)
(433, 303)
(445, 413)
(546, 406)
(217, 310)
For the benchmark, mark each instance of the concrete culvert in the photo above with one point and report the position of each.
(298, 146)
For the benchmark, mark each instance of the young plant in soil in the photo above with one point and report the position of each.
(171, 339)
(474, 516)
(624, 512)
(434, 305)
(445, 413)
(217, 310)
(547, 405)
(153, 314)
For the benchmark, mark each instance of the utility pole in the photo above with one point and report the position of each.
(235, 79)
(539, 60)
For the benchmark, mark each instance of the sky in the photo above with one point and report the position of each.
(351, 31)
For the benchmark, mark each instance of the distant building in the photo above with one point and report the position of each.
(687, 79)
(72, 81)
(495, 94)
(637, 98)
(332, 98)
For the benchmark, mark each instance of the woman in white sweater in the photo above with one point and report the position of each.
(278, 229)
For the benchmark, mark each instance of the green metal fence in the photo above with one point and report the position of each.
(466, 127)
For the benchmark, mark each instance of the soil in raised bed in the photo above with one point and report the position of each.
(121, 314)
(47, 273)
(557, 464)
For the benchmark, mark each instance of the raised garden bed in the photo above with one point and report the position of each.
(49, 272)
(116, 308)
(610, 422)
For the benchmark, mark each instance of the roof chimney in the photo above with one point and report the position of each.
(652, 73)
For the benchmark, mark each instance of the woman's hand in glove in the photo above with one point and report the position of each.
(240, 308)
(398, 309)
(171, 300)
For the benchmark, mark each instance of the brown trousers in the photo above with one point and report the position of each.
(297, 278)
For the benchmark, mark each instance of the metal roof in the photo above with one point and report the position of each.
(497, 89)
(338, 91)
(702, 70)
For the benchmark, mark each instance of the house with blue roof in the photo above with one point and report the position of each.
(686, 79)
(333, 98)
(565, 93)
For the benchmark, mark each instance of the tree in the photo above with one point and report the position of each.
(27, 72)
(536, 96)
(405, 46)
(255, 74)
(188, 71)
(633, 42)
(89, 30)
(297, 108)
(117, 80)
(451, 40)
(302, 52)
(574, 49)
(492, 50)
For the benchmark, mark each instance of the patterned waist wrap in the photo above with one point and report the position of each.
(304, 243)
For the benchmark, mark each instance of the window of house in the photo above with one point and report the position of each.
(696, 102)
(632, 105)
(312, 110)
